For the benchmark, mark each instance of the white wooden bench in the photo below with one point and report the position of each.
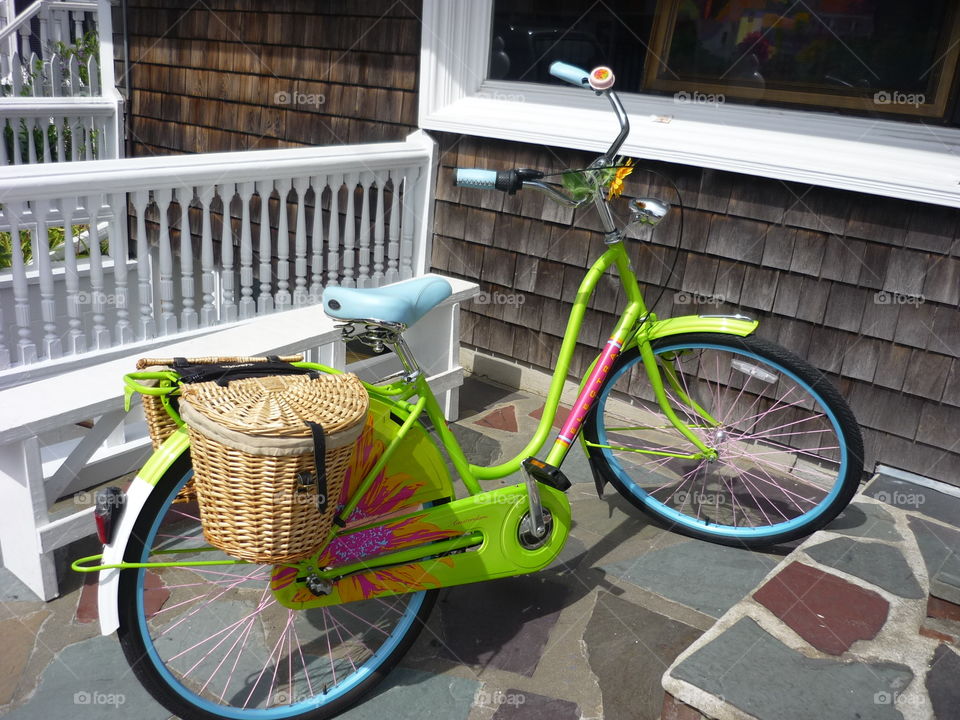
(32, 477)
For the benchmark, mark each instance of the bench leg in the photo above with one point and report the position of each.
(24, 510)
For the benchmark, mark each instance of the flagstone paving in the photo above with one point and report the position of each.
(592, 636)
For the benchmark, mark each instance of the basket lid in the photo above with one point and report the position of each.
(278, 407)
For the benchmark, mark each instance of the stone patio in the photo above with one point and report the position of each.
(593, 636)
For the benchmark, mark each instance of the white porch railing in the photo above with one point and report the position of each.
(187, 256)
(57, 96)
(265, 231)
(32, 45)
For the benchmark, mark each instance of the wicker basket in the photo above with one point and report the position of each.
(161, 411)
(252, 450)
(160, 422)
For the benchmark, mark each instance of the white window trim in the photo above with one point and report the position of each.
(912, 161)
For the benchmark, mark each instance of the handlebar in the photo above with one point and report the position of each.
(508, 181)
(570, 73)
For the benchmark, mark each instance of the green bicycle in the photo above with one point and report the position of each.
(730, 439)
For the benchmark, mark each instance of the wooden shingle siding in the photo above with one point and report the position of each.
(864, 287)
(211, 77)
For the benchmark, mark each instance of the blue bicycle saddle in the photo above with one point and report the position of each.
(404, 302)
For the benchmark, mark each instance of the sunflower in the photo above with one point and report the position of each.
(616, 182)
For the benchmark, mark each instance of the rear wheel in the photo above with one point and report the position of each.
(212, 642)
(790, 453)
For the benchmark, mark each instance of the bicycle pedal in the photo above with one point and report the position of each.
(547, 474)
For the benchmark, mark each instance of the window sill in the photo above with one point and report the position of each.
(912, 161)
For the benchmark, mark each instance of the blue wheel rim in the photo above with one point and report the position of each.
(724, 531)
(341, 689)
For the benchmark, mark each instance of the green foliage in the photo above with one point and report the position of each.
(55, 237)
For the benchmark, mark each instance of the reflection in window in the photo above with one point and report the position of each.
(865, 56)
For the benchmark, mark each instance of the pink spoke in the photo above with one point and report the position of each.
(326, 633)
(748, 485)
(264, 670)
(263, 597)
(364, 621)
(336, 626)
(240, 637)
(769, 432)
(744, 474)
(786, 470)
(228, 629)
(221, 594)
(303, 661)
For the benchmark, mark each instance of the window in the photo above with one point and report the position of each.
(804, 128)
(873, 57)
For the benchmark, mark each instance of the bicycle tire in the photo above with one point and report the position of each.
(157, 668)
(773, 419)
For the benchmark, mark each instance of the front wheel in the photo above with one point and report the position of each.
(789, 453)
(212, 642)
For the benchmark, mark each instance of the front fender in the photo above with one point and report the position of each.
(725, 324)
(138, 492)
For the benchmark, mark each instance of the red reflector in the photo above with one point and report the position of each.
(103, 528)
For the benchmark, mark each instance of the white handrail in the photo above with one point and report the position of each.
(243, 222)
(36, 182)
(21, 19)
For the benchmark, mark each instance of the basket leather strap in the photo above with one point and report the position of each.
(223, 373)
(320, 458)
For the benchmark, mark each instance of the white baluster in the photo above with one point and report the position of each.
(119, 252)
(88, 152)
(61, 146)
(15, 124)
(188, 315)
(168, 318)
(16, 73)
(406, 224)
(393, 248)
(76, 341)
(52, 348)
(265, 299)
(4, 350)
(333, 232)
(45, 129)
(228, 279)
(208, 311)
(248, 307)
(76, 138)
(363, 274)
(350, 233)
(147, 325)
(32, 123)
(43, 17)
(316, 241)
(26, 348)
(4, 158)
(300, 245)
(98, 296)
(24, 42)
(78, 25)
(283, 248)
(378, 248)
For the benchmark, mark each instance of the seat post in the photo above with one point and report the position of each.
(403, 352)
